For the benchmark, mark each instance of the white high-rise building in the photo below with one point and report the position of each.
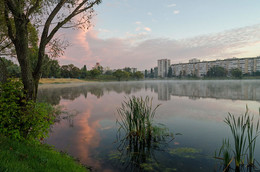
(163, 67)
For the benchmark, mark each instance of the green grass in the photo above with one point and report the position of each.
(24, 157)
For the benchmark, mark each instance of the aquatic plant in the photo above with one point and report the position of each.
(245, 133)
(225, 153)
(186, 152)
(252, 134)
(238, 129)
(141, 136)
(136, 116)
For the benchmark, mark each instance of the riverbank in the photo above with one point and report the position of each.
(60, 80)
(17, 156)
(72, 80)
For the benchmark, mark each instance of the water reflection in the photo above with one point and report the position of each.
(135, 155)
(186, 108)
(235, 90)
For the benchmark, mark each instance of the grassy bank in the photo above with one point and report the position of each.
(59, 80)
(16, 156)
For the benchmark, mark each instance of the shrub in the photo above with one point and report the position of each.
(21, 119)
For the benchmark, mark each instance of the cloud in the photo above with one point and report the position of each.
(138, 23)
(148, 29)
(176, 12)
(171, 5)
(149, 14)
(142, 51)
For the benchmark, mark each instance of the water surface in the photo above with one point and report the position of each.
(196, 109)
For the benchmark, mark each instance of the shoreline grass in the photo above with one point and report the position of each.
(60, 80)
(21, 156)
(73, 80)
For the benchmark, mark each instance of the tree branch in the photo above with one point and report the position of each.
(75, 12)
(44, 41)
(4, 47)
(8, 24)
(49, 20)
(33, 8)
(45, 38)
(11, 6)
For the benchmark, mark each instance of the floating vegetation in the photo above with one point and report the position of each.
(146, 167)
(138, 136)
(186, 152)
(245, 133)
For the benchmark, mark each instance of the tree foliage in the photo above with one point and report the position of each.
(169, 72)
(217, 71)
(9, 68)
(119, 74)
(83, 72)
(21, 119)
(138, 75)
(70, 71)
(94, 73)
(237, 73)
(52, 15)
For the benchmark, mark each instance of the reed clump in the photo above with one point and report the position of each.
(245, 130)
(138, 135)
(136, 117)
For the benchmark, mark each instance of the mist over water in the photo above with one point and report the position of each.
(196, 109)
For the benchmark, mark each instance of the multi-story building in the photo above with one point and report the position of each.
(195, 60)
(96, 66)
(133, 70)
(200, 69)
(163, 67)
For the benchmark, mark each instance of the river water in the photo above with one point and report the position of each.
(196, 109)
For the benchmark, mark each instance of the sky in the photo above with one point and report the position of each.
(136, 33)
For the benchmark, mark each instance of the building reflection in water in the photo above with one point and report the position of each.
(94, 113)
(234, 90)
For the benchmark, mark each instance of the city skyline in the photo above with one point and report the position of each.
(136, 34)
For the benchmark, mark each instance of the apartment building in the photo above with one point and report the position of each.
(163, 67)
(200, 69)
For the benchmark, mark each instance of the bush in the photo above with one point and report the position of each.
(237, 73)
(21, 119)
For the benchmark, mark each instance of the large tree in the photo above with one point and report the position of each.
(48, 16)
(217, 71)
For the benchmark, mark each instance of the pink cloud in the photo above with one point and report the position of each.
(141, 51)
(148, 29)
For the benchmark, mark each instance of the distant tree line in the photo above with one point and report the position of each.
(52, 69)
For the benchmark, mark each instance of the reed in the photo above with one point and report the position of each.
(136, 116)
(225, 153)
(252, 134)
(238, 129)
(139, 137)
(245, 132)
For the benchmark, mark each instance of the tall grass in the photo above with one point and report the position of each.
(245, 133)
(225, 154)
(252, 134)
(136, 116)
(238, 128)
(141, 136)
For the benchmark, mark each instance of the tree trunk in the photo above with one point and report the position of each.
(21, 47)
(3, 71)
